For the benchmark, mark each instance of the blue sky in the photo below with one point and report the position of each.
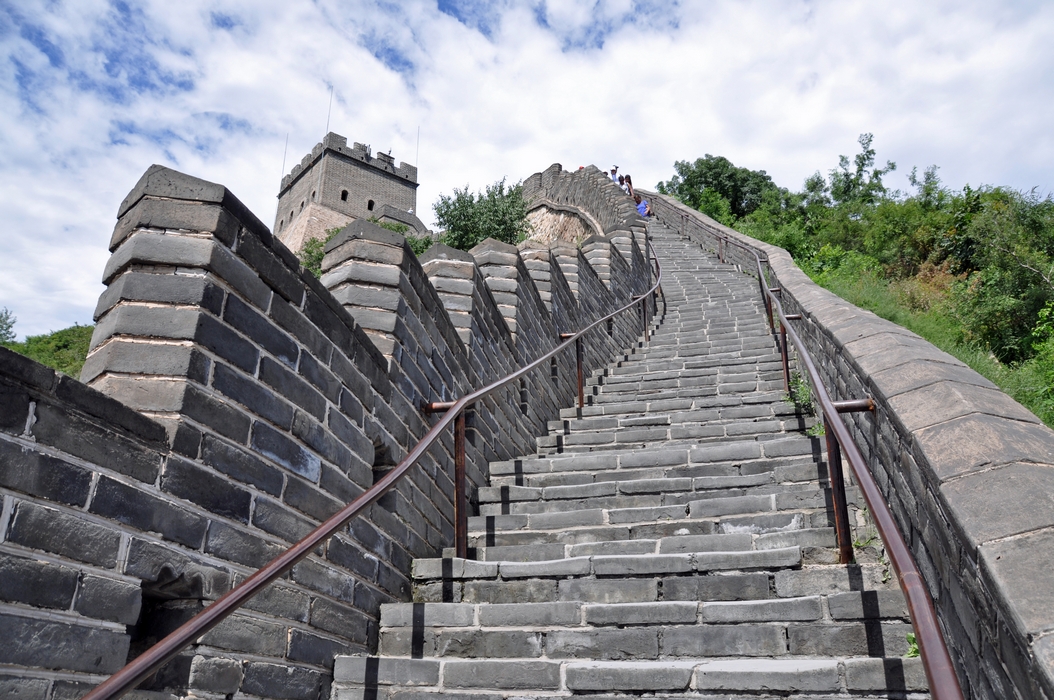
(94, 91)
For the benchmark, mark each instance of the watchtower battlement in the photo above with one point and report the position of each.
(335, 184)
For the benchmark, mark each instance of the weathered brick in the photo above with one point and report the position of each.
(36, 583)
(278, 447)
(253, 395)
(280, 681)
(239, 463)
(59, 645)
(51, 530)
(315, 649)
(259, 329)
(108, 599)
(293, 388)
(25, 470)
(71, 434)
(236, 545)
(131, 506)
(188, 480)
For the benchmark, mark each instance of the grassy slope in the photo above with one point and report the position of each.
(1024, 383)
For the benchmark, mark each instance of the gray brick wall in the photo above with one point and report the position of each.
(234, 402)
(346, 179)
(965, 469)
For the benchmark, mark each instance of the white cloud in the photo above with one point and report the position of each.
(93, 92)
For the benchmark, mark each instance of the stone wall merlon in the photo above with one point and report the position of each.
(967, 471)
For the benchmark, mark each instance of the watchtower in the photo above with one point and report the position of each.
(334, 185)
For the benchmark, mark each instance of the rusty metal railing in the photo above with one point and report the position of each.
(153, 658)
(944, 684)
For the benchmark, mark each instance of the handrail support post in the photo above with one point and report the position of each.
(786, 359)
(460, 495)
(837, 482)
(579, 361)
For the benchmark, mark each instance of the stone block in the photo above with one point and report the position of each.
(504, 675)
(724, 640)
(885, 674)
(37, 583)
(279, 681)
(216, 675)
(370, 671)
(717, 587)
(530, 614)
(629, 676)
(139, 509)
(609, 590)
(776, 674)
(1017, 575)
(642, 613)
(188, 480)
(27, 471)
(108, 599)
(974, 442)
(55, 531)
(772, 610)
(856, 605)
(12, 688)
(58, 645)
(253, 395)
(603, 644)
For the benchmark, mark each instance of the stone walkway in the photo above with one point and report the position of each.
(672, 540)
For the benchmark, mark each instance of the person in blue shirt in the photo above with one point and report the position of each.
(642, 205)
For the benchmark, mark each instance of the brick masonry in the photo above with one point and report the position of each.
(232, 402)
(352, 182)
(967, 471)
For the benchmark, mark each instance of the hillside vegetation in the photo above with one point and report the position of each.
(972, 271)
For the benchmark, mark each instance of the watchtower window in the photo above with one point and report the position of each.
(301, 206)
(312, 196)
(343, 195)
(369, 205)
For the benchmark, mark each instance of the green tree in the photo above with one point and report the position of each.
(314, 250)
(863, 182)
(497, 213)
(695, 183)
(63, 350)
(7, 325)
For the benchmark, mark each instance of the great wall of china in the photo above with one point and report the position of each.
(232, 401)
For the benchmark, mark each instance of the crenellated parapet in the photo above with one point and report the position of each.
(233, 402)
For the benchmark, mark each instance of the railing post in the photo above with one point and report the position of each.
(786, 362)
(841, 508)
(460, 497)
(579, 360)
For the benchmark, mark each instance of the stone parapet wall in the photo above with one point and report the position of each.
(967, 471)
(233, 403)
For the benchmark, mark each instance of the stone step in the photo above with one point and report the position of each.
(728, 584)
(648, 493)
(547, 471)
(739, 453)
(651, 404)
(358, 677)
(609, 566)
(806, 538)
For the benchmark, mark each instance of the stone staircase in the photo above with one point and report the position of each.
(671, 539)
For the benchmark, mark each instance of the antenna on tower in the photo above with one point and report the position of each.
(330, 110)
(285, 151)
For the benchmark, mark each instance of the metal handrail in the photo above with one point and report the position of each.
(153, 658)
(943, 682)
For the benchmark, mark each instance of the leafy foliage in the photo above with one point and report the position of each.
(314, 250)
(497, 213)
(63, 350)
(972, 270)
(701, 184)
